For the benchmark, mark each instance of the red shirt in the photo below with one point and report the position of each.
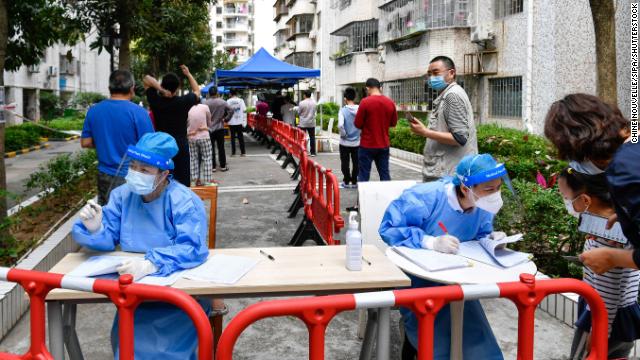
(376, 114)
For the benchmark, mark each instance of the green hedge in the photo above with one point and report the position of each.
(67, 123)
(549, 231)
(18, 137)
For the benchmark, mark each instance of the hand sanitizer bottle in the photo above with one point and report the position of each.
(354, 244)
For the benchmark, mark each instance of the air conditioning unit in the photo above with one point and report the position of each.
(482, 32)
(52, 71)
(33, 68)
(313, 34)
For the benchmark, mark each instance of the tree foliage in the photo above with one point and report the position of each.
(35, 25)
(175, 32)
(224, 61)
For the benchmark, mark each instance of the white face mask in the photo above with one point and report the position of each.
(570, 209)
(491, 203)
(139, 183)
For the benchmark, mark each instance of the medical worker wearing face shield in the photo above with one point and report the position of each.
(155, 215)
(466, 204)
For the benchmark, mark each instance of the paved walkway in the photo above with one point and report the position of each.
(20, 167)
(263, 222)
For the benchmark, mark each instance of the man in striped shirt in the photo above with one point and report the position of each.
(451, 132)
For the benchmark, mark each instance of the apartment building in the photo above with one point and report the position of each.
(232, 27)
(514, 57)
(64, 70)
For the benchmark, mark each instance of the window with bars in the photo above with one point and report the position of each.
(340, 4)
(400, 18)
(355, 37)
(506, 97)
(504, 8)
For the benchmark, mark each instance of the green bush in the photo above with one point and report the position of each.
(50, 105)
(86, 99)
(66, 123)
(549, 231)
(62, 170)
(524, 154)
(329, 108)
(19, 137)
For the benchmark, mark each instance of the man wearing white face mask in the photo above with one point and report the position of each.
(451, 132)
(155, 215)
(466, 205)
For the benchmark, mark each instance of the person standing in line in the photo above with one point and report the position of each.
(376, 114)
(237, 119)
(307, 112)
(221, 113)
(110, 127)
(170, 112)
(262, 108)
(288, 111)
(199, 121)
(349, 139)
(451, 133)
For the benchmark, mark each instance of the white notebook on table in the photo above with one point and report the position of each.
(431, 260)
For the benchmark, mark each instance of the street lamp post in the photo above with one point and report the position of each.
(111, 40)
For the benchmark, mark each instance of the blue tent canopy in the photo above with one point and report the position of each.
(263, 69)
(205, 89)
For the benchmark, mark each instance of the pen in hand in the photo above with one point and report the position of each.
(267, 255)
(444, 228)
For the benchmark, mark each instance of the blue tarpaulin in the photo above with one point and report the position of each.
(263, 69)
(205, 89)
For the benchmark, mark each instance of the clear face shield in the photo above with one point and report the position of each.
(142, 177)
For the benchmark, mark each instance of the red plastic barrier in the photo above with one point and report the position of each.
(317, 312)
(321, 196)
(251, 120)
(125, 295)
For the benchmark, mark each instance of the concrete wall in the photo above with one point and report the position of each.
(358, 10)
(327, 81)
(361, 67)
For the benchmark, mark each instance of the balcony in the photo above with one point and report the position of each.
(355, 37)
(404, 19)
(303, 59)
(227, 43)
(300, 24)
(279, 9)
(236, 9)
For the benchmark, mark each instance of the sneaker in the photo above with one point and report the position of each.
(343, 185)
(353, 186)
(213, 170)
(313, 155)
(226, 168)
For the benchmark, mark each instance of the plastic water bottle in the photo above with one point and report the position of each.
(354, 244)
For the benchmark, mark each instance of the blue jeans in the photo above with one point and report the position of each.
(366, 156)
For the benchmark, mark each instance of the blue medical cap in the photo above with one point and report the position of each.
(476, 169)
(156, 149)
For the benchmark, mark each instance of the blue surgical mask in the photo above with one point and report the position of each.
(139, 183)
(586, 167)
(437, 82)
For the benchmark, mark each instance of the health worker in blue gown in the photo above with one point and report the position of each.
(466, 204)
(157, 216)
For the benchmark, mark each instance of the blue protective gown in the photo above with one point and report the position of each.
(407, 219)
(171, 231)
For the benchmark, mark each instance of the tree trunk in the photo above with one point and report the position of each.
(124, 19)
(604, 22)
(4, 38)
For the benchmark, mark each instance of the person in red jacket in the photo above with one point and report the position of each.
(376, 114)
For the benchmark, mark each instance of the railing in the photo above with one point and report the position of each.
(425, 303)
(125, 295)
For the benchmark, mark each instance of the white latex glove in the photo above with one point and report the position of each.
(138, 267)
(445, 243)
(91, 216)
(497, 236)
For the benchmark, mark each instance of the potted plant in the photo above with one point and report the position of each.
(423, 106)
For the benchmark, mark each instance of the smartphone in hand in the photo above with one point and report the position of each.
(410, 117)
